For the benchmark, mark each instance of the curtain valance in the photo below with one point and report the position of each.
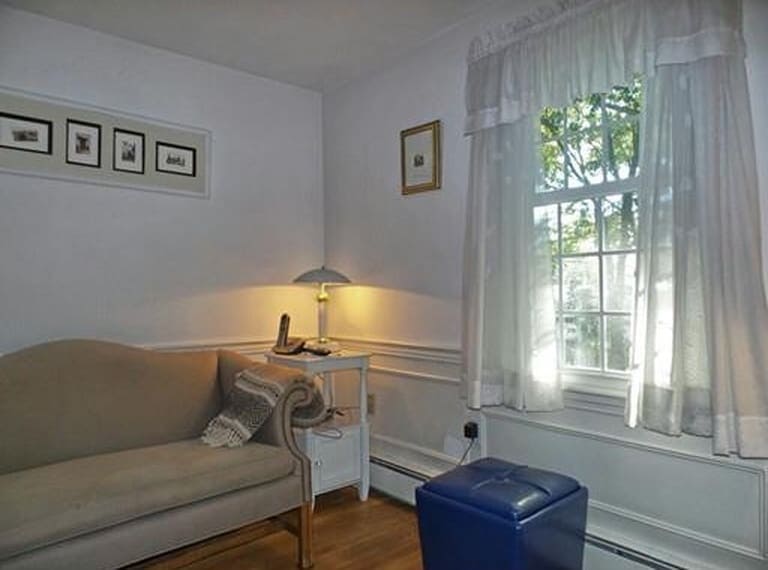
(549, 59)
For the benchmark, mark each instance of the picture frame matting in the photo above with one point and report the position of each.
(27, 134)
(128, 151)
(83, 143)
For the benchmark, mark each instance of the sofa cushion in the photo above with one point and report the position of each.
(55, 502)
(75, 398)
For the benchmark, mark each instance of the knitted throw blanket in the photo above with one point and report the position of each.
(252, 400)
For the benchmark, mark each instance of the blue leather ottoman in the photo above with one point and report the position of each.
(495, 515)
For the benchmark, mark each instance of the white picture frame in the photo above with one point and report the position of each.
(51, 162)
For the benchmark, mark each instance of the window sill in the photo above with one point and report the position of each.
(595, 392)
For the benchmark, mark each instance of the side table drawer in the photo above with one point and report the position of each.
(335, 458)
(339, 459)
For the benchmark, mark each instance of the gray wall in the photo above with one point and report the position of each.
(81, 260)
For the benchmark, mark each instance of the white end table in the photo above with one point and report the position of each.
(342, 461)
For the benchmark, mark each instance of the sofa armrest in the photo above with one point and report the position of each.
(277, 430)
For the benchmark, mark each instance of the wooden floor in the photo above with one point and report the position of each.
(349, 535)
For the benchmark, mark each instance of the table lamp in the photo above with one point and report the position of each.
(322, 276)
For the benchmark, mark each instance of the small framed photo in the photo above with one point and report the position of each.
(175, 159)
(420, 158)
(128, 151)
(26, 133)
(83, 143)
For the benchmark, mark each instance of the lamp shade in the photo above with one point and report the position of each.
(322, 275)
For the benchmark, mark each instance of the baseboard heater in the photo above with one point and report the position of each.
(596, 541)
(631, 554)
(401, 469)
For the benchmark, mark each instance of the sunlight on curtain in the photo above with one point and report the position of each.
(514, 325)
(700, 362)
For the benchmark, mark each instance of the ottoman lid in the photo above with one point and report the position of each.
(512, 491)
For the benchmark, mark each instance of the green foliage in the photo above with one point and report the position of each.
(594, 139)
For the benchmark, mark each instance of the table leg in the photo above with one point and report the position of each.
(365, 466)
(329, 392)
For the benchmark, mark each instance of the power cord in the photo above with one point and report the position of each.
(466, 451)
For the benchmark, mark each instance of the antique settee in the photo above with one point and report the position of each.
(101, 463)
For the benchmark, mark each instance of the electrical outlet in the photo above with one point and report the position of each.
(471, 430)
(371, 404)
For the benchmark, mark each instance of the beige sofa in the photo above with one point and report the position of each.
(101, 465)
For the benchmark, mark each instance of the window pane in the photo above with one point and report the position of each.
(579, 227)
(553, 169)
(622, 158)
(581, 283)
(585, 158)
(552, 123)
(545, 222)
(581, 339)
(622, 103)
(583, 114)
(620, 221)
(619, 281)
(617, 343)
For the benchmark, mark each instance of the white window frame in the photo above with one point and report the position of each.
(586, 381)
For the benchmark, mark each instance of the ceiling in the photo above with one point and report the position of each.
(317, 44)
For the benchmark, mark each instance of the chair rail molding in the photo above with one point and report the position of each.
(248, 347)
(401, 349)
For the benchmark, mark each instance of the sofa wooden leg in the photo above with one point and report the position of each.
(305, 535)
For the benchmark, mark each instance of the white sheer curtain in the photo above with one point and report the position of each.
(510, 327)
(701, 330)
(701, 342)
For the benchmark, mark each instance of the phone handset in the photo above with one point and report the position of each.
(284, 344)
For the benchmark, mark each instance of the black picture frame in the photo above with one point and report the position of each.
(45, 123)
(191, 150)
(68, 159)
(115, 132)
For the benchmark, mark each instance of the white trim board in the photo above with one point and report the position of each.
(248, 347)
(411, 351)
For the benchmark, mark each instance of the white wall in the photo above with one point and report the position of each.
(80, 260)
(408, 249)
(407, 253)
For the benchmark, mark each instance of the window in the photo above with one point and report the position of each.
(586, 203)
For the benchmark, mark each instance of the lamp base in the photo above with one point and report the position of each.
(322, 343)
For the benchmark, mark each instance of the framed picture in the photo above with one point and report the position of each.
(128, 151)
(420, 158)
(26, 133)
(83, 143)
(175, 159)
